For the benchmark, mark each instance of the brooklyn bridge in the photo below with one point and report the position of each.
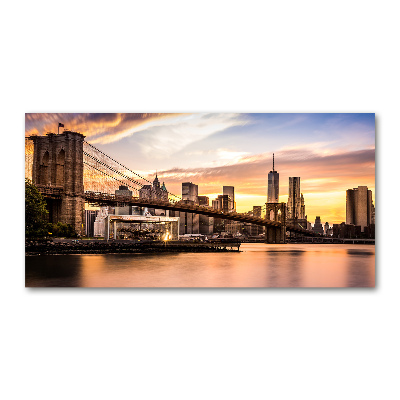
(70, 172)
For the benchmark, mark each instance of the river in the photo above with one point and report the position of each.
(257, 265)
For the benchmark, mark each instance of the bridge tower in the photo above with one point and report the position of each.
(57, 171)
(276, 212)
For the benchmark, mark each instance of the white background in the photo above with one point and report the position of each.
(307, 56)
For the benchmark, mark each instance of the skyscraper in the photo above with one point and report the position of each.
(295, 206)
(359, 207)
(190, 191)
(318, 228)
(230, 191)
(203, 200)
(273, 184)
(188, 222)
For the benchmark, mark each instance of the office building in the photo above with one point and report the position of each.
(318, 228)
(203, 200)
(206, 225)
(222, 203)
(190, 192)
(90, 217)
(230, 191)
(373, 214)
(123, 193)
(295, 207)
(257, 211)
(346, 231)
(273, 184)
(359, 207)
(189, 223)
(98, 225)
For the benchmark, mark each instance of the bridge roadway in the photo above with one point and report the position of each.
(101, 199)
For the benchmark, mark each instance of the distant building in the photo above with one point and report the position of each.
(154, 191)
(189, 223)
(295, 205)
(346, 231)
(122, 193)
(359, 207)
(318, 228)
(257, 211)
(230, 191)
(273, 184)
(99, 224)
(222, 203)
(203, 200)
(206, 225)
(373, 214)
(190, 192)
(234, 228)
(326, 228)
(90, 217)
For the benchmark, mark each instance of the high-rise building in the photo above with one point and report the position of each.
(318, 228)
(295, 207)
(230, 191)
(203, 200)
(222, 203)
(98, 225)
(373, 214)
(206, 225)
(257, 211)
(189, 223)
(90, 217)
(273, 184)
(190, 192)
(359, 207)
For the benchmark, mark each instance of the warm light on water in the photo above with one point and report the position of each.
(258, 265)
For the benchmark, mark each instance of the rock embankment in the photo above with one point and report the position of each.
(101, 247)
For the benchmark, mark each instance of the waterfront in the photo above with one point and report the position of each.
(257, 265)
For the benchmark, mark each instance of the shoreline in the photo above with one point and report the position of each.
(124, 247)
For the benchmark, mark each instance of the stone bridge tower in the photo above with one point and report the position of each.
(276, 212)
(57, 171)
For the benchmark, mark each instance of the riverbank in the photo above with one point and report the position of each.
(124, 246)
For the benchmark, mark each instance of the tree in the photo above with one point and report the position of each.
(62, 230)
(36, 214)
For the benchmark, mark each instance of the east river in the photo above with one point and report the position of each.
(257, 265)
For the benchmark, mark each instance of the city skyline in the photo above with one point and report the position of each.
(330, 152)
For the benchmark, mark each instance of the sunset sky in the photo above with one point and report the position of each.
(329, 152)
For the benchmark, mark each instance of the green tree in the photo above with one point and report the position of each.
(62, 230)
(36, 214)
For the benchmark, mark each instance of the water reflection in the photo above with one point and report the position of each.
(52, 270)
(258, 265)
(284, 268)
(357, 276)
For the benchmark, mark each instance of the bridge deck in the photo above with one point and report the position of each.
(99, 199)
